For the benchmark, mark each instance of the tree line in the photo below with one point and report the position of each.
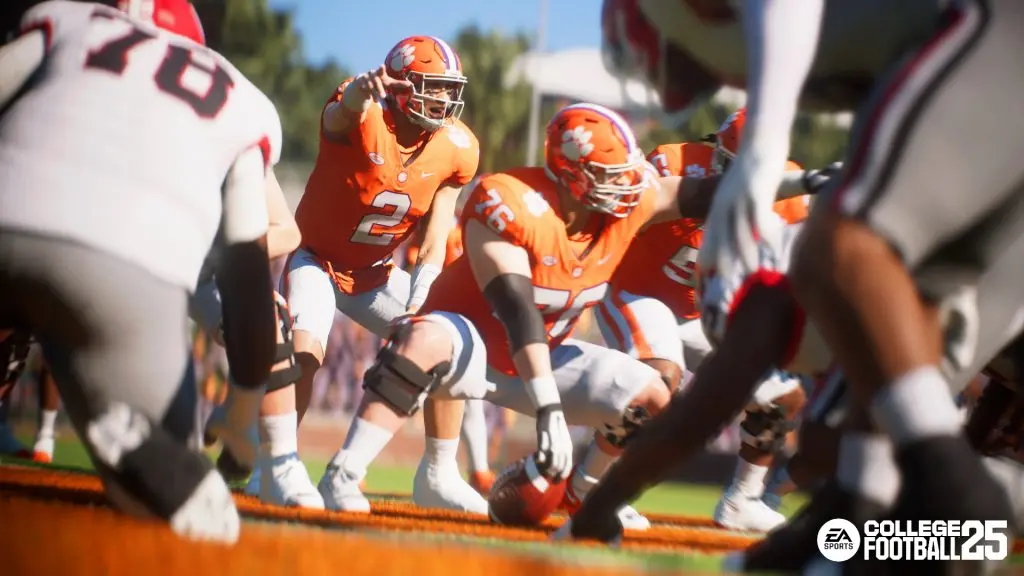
(265, 45)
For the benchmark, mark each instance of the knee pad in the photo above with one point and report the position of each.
(290, 374)
(765, 429)
(402, 384)
(632, 419)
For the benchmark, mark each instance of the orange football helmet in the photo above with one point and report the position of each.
(436, 75)
(176, 16)
(593, 152)
(727, 140)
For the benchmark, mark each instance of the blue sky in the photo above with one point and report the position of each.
(358, 34)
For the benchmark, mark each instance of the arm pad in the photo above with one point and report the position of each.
(511, 296)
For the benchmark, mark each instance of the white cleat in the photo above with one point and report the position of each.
(439, 487)
(633, 520)
(286, 483)
(209, 514)
(340, 491)
(744, 514)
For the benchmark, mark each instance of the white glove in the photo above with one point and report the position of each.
(554, 443)
(741, 239)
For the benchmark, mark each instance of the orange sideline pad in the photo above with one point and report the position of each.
(684, 534)
(55, 521)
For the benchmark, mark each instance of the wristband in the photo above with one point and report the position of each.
(543, 391)
(422, 278)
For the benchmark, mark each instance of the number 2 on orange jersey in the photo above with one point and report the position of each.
(365, 233)
(552, 301)
(682, 267)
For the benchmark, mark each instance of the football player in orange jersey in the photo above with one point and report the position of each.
(392, 153)
(541, 246)
(651, 306)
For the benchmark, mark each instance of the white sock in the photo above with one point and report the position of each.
(593, 466)
(474, 431)
(279, 434)
(866, 467)
(916, 405)
(438, 483)
(47, 424)
(364, 443)
(749, 478)
(442, 456)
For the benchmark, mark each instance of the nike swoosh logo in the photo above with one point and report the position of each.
(426, 174)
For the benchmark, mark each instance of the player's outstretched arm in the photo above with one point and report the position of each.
(354, 98)
(19, 59)
(243, 276)
(283, 235)
(440, 221)
(686, 197)
(719, 391)
(503, 272)
(782, 38)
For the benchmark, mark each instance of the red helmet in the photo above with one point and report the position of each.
(727, 140)
(593, 152)
(436, 75)
(633, 47)
(175, 16)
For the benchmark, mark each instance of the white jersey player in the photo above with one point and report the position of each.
(123, 148)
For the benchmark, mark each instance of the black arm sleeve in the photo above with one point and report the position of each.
(511, 296)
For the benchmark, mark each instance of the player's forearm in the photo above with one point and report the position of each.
(343, 112)
(19, 59)
(282, 240)
(511, 297)
(283, 235)
(533, 365)
(782, 37)
(429, 262)
(696, 195)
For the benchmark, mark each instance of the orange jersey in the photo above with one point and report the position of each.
(521, 205)
(362, 199)
(662, 262)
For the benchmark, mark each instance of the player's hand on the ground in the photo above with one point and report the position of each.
(741, 239)
(379, 84)
(554, 443)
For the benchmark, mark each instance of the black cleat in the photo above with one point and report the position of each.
(944, 479)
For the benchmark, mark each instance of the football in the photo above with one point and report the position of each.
(522, 496)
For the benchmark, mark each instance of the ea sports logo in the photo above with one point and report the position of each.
(838, 540)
